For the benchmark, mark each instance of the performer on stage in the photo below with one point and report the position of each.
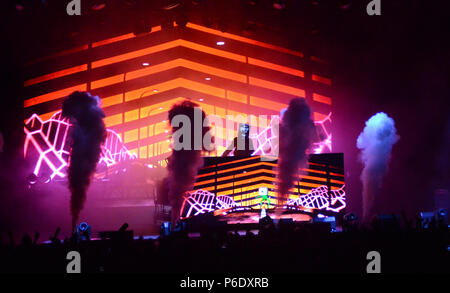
(242, 145)
(265, 201)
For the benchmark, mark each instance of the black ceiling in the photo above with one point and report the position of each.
(41, 27)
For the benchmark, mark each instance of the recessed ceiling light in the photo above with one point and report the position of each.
(160, 108)
(155, 90)
(201, 99)
(207, 78)
(220, 43)
(145, 64)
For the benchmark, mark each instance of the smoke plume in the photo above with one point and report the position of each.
(184, 163)
(86, 136)
(296, 135)
(375, 143)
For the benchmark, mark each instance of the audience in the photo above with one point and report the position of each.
(404, 247)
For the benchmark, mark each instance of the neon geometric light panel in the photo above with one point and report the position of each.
(202, 201)
(319, 198)
(48, 141)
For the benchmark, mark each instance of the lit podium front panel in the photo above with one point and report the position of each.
(235, 183)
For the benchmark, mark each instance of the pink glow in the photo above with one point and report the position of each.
(267, 140)
(319, 199)
(202, 201)
(49, 139)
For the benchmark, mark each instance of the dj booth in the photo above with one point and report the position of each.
(233, 186)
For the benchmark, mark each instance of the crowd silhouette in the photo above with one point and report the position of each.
(404, 245)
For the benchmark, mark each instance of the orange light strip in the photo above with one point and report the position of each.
(56, 74)
(105, 102)
(213, 70)
(123, 37)
(229, 177)
(318, 60)
(321, 99)
(161, 87)
(171, 64)
(213, 51)
(314, 171)
(238, 184)
(166, 46)
(106, 81)
(277, 67)
(201, 67)
(206, 174)
(242, 39)
(259, 171)
(321, 79)
(153, 109)
(264, 103)
(151, 90)
(187, 64)
(66, 52)
(321, 165)
(277, 87)
(54, 95)
(337, 181)
(313, 178)
(238, 161)
(336, 174)
(247, 166)
(237, 97)
(147, 111)
(113, 40)
(262, 177)
(245, 181)
(254, 190)
(204, 182)
(313, 185)
(201, 86)
(171, 84)
(112, 100)
(152, 69)
(113, 120)
(134, 54)
(253, 172)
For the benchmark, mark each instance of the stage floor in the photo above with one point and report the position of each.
(254, 217)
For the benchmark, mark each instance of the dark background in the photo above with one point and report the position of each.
(397, 63)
